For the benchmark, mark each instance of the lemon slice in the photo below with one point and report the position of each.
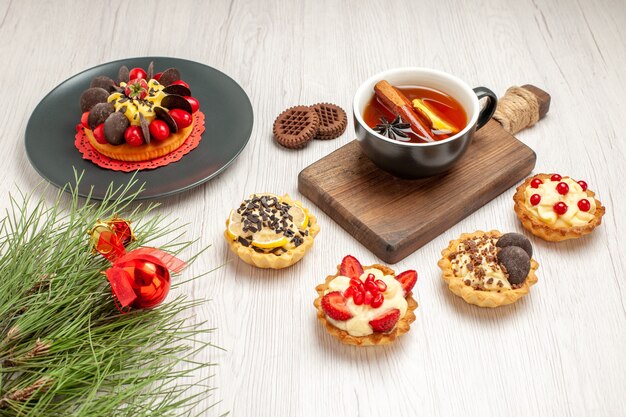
(234, 224)
(300, 218)
(267, 239)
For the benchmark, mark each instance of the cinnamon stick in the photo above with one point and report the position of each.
(400, 105)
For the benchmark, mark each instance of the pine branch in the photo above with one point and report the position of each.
(65, 350)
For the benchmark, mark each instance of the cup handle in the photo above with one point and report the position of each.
(492, 101)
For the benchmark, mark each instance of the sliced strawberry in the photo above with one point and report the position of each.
(351, 267)
(334, 305)
(385, 322)
(407, 279)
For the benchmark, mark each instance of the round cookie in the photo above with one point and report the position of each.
(333, 121)
(295, 127)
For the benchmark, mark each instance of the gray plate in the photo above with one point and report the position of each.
(228, 114)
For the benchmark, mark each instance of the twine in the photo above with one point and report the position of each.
(517, 110)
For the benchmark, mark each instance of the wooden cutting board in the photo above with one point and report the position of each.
(394, 217)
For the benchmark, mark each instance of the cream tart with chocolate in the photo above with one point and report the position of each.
(366, 306)
(140, 117)
(489, 269)
(270, 231)
(557, 208)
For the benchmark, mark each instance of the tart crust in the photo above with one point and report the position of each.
(480, 298)
(269, 260)
(402, 327)
(146, 152)
(546, 231)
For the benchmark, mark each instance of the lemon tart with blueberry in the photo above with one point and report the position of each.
(557, 208)
(270, 231)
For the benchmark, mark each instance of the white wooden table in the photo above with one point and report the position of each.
(558, 352)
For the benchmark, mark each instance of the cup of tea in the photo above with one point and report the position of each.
(417, 122)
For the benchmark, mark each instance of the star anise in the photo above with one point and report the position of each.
(392, 129)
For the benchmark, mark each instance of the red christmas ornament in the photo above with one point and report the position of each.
(140, 278)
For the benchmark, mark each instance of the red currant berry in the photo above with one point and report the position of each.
(195, 105)
(535, 199)
(560, 208)
(556, 177)
(137, 73)
(562, 188)
(181, 117)
(159, 130)
(535, 183)
(358, 298)
(180, 82)
(134, 136)
(377, 301)
(98, 133)
(584, 204)
(83, 120)
(583, 185)
(382, 287)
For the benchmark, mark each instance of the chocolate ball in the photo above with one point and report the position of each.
(114, 127)
(91, 97)
(516, 262)
(515, 239)
(99, 113)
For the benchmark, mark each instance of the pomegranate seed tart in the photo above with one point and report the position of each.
(557, 208)
(270, 231)
(366, 306)
(489, 269)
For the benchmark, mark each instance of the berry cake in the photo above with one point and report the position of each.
(557, 208)
(139, 118)
(366, 306)
(489, 269)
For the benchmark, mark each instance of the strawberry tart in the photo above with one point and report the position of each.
(366, 305)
